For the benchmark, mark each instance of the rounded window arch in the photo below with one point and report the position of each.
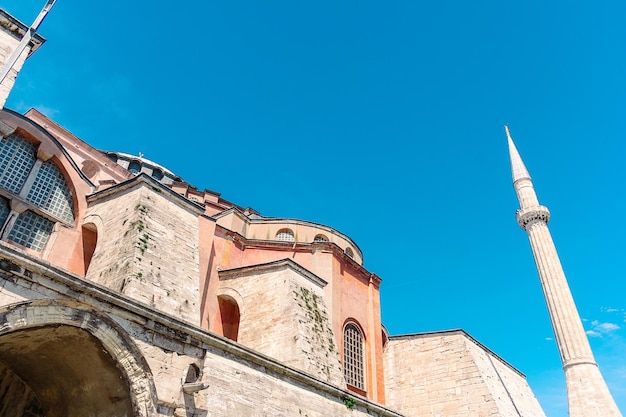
(354, 355)
(349, 252)
(29, 318)
(230, 315)
(40, 189)
(17, 158)
(285, 235)
(157, 174)
(134, 167)
(112, 156)
(320, 238)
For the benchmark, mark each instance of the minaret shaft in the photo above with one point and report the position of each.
(587, 393)
(568, 329)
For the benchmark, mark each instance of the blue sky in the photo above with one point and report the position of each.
(384, 121)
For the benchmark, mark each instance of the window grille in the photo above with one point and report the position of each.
(134, 167)
(353, 356)
(320, 238)
(51, 193)
(31, 231)
(4, 210)
(157, 174)
(17, 157)
(285, 235)
(349, 252)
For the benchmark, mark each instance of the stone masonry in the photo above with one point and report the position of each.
(288, 320)
(449, 374)
(147, 246)
(154, 352)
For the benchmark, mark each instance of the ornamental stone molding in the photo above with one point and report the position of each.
(532, 214)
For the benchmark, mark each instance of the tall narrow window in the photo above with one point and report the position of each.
(353, 363)
(229, 311)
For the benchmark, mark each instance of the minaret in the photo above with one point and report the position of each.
(587, 393)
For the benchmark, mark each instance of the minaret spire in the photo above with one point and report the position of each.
(517, 166)
(587, 393)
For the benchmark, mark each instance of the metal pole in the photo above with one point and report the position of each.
(30, 32)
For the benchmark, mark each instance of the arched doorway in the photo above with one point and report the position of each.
(60, 360)
(65, 372)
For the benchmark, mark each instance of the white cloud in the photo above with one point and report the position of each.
(599, 328)
(607, 327)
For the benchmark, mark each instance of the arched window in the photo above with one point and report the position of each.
(40, 185)
(51, 193)
(285, 235)
(349, 252)
(320, 238)
(157, 174)
(134, 167)
(353, 361)
(111, 156)
(193, 374)
(17, 157)
(90, 240)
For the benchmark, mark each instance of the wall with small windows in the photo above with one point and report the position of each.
(286, 230)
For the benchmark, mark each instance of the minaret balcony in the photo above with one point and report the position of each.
(529, 215)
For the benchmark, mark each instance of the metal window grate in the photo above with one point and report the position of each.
(320, 238)
(134, 167)
(51, 193)
(4, 210)
(285, 235)
(17, 157)
(31, 231)
(353, 356)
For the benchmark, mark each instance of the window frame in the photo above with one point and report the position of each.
(354, 358)
(285, 232)
(40, 196)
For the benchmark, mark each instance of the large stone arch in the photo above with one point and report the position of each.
(46, 343)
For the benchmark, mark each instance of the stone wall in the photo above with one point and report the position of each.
(449, 374)
(147, 246)
(154, 351)
(284, 316)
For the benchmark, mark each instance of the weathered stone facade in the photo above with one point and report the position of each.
(449, 374)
